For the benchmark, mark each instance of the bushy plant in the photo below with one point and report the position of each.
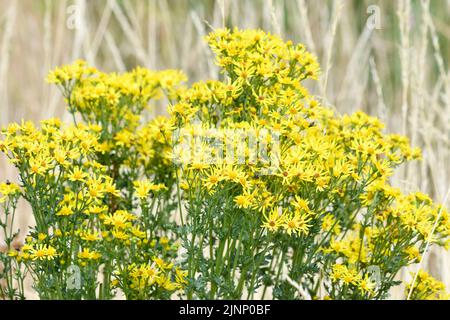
(249, 188)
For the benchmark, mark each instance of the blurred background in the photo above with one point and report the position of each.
(387, 58)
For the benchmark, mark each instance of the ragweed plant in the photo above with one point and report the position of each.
(11, 273)
(249, 188)
(89, 193)
(426, 288)
(323, 217)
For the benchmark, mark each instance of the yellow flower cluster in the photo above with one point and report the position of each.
(62, 157)
(114, 100)
(427, 288)
(319, 152)
(250, 168)
(143, 188)
(36, 252)
(7, 190)
(327, 181)
(146, 277)
(75, 204)
(351, 278)
(65, 75)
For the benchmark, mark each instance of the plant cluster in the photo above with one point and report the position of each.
(249, 188)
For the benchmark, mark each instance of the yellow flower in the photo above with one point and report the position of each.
(65, 211)
(164, 241)
(167, 284)
(119, 219)
(180, 276)
(87, 254)
(120, 235)
(97, 209)
(13, 253)
(161, 264)
(68, 73)
(110, 188)
(77, 175)
(366, 285)
(90, 236)
(413, 253)
(243, 201)
(8, 189)
(40, 166)
(143, 188)
(137, 232)
(301, 204)
(329, 222)
(426, 288)
(43, 252)
(296, 223)
(274, 221)
(211, 180)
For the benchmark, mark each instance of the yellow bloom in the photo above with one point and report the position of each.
(161, 264)
(301, 204)
(274, 221)
(90, 236)
(143, 188)
(296, 223)
(65, 211)
(43, 252)
(243, 201)
(42, 236)
(77, 175)
(366, 285)
(87, 254)
(119, 219)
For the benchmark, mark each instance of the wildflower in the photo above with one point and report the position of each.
(120, 235)
(12, 253)
(87, 254)
(60, 156)
(181, 276)
(413, 253)
(119, 219)
(40, 166)
(90, 236)
(110, 188)
(243, 201)
(211, 180)
(296, 223)
(69, 73)
(7, 190)
(300, 204)
(65, 211)
(315, 191)
(42, 236)
(77, 175)
(426, 288)
(274, 221)
(161, 264)
(366, 285)
(329, 223)
(137, 232)
(43, 252)
(143, 188)
(97, 209)
(167, 284)
(143, 275)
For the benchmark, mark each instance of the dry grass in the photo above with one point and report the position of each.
(398, 72)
